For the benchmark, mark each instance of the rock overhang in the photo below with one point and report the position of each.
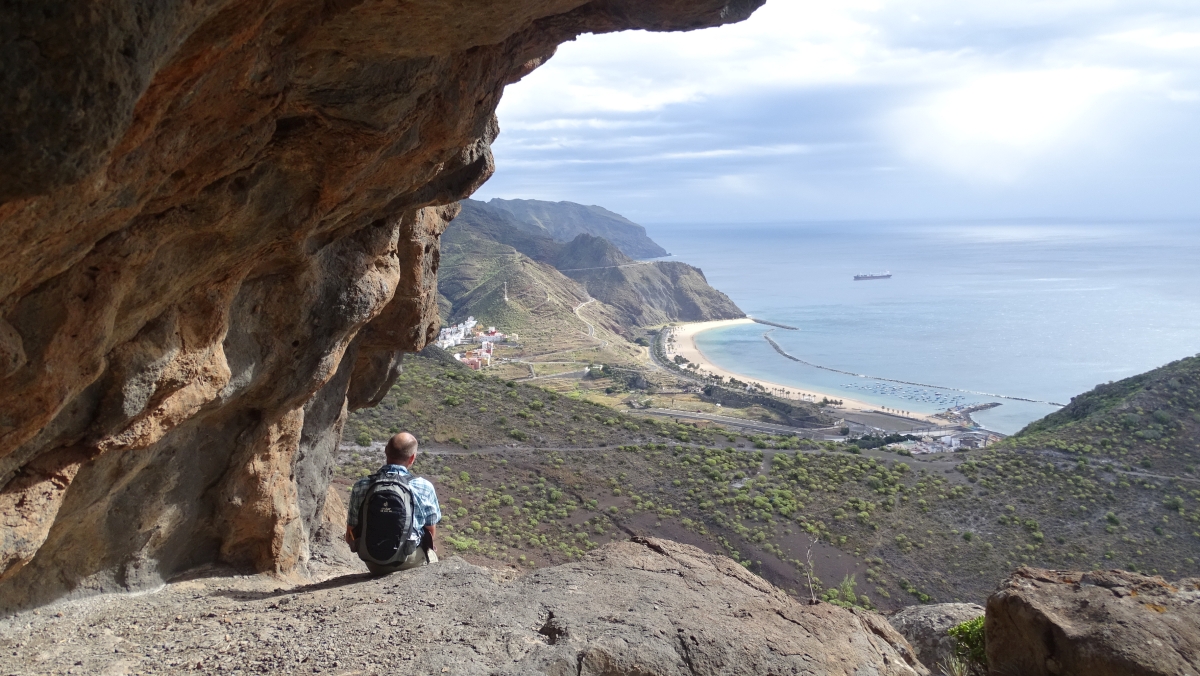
(221, 223)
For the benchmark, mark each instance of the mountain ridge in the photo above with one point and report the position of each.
(563, 221)
(639, 293)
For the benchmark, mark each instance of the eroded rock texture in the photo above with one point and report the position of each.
(220, 229)
(1102, 623)
(647, 608)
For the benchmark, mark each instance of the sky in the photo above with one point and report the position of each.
(922, 109)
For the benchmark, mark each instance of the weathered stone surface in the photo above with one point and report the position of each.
(220, 228)
(631, 608)
(925, 628)
(1102, 623)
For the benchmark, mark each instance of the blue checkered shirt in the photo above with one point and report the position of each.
(426, 510)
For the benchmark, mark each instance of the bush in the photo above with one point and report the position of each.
(363, 438)
(971, 644)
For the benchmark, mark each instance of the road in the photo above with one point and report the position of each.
(591, 334)
(606, 267)
(591, 327)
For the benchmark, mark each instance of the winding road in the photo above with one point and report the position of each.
(591, 327)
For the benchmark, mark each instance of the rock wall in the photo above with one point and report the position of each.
(1099, 623)
(220, 229)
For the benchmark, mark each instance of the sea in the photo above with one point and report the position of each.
(1025, 314)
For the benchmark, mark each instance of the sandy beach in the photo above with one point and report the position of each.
(683, 343)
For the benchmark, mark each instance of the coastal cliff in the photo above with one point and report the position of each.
(634, 293)
(220, 225)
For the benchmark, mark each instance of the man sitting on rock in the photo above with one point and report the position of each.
(392, 514)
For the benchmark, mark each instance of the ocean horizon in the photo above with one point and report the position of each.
(1038, 311)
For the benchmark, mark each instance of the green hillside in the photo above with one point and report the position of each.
(903, 529)
(482, 243)
(564, 221)
(586, 252)
(656, 293)
(1149, 421)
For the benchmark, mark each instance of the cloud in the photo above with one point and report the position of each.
(993, 127)
(680, 155)
(871, 109)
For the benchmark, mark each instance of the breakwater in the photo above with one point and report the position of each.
(776, 325)
(783, 352)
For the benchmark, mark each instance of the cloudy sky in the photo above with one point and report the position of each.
(926, 109)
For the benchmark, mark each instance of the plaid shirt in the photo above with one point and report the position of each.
(426, 510)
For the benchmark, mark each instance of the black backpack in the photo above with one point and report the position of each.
(386, 520)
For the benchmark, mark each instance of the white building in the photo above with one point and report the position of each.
(455, 335)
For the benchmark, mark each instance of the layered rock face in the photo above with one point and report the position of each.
(644, 608)
(220, 225)
(1102, 623)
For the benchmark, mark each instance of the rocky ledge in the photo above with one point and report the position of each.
(645, 607)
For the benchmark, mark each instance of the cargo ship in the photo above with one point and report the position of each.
(880, 275)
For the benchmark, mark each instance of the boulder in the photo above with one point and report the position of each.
(925, 628)
(1102, 623)
(637, 608)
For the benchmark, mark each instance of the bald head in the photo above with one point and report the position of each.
(401, 449)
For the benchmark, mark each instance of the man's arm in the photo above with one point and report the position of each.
(432, 528)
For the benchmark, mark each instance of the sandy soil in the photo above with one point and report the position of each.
(685, 346)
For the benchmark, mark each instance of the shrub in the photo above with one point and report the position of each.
(363, 438)
(971, 644)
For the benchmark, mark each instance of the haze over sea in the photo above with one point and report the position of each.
(1040, 311)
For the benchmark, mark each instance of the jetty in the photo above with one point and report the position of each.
(784, 353)
(775, 324)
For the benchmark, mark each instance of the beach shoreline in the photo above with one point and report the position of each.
(683, 337)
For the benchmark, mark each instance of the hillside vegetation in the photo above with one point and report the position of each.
(530, 477)
(485, 247)
(564, 221)
(1150, 421)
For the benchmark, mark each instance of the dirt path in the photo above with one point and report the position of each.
(591, 327)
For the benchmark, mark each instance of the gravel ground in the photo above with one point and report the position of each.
(644, 606)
